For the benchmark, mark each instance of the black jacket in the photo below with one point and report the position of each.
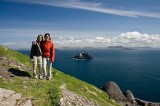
(35, 50)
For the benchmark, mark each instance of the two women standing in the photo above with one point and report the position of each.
(43, 54)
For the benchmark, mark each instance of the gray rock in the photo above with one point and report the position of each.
(1, 76)
(114, 92)
(11, 98)
(127, 99)
(4, 94)
(146, 103)
(27, 103)
(128, 94)
(25, 87)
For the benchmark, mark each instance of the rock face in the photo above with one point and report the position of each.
(114, 91)
(7, 72)
(128, 94)
(126, 99)
(11, 98)
(145, 103)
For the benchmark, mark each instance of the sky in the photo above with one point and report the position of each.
(81, 23)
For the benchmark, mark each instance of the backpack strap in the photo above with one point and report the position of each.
(39, 48)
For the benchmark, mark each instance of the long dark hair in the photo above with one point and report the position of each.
(40, 36)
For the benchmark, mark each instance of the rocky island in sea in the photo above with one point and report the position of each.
(82, 56)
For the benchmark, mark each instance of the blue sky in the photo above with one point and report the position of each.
(80, 23)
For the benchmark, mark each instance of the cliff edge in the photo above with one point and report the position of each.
(63, 90)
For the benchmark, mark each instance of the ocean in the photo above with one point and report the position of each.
(135, 70)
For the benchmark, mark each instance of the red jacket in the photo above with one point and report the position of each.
(48, 50)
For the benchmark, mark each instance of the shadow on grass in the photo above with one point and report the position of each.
(19, 73)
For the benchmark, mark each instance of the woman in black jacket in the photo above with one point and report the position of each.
(36, 56)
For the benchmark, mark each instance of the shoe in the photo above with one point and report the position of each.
(48, 78)
(36, 77)
(41, 77)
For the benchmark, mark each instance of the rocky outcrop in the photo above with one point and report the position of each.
(71, 99)
(128, 94)
(11, 63)
(126, 99)
(145, 103)
(11, 98)
(115, 92)
(6, 71)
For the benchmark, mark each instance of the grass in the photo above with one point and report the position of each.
(14, 56)
(43, 92)
(48, 93)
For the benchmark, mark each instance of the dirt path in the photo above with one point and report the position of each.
(71, 99)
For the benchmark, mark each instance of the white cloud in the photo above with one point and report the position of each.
(99, 38)
(90, 6)
(137, 39)
(17, 45)
(131, 35)
(128, 39)
(23, 39)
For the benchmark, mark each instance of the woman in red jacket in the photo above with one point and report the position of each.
(48, 56)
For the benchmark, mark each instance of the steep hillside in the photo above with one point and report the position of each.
(63, 90)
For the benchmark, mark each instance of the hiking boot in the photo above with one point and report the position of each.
(48, 78)
(36, 77)
(41, 77)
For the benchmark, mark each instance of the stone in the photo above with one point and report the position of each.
(1, 77)
(128, 94)
(126, 99)
(11, 98)
(27, 103)
(25, 87)
(5, 94)
(114, 92)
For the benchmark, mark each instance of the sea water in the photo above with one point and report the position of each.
(135, 70)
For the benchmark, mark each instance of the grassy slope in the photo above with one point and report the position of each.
(47, 93)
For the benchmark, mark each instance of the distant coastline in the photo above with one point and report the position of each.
(100, 48)
(109, 48)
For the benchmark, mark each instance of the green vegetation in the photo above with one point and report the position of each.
(48, 93)
(14, 56)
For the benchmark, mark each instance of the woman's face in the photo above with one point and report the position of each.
(40, 38)
(47, 37)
